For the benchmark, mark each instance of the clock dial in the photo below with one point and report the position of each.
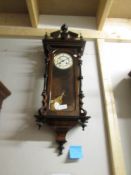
(63, 61)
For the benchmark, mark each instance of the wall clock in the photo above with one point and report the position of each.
(62, 106)
(4, 93)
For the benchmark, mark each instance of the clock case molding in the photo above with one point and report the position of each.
(61, 122)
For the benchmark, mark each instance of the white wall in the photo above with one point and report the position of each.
(24, 150)
(118, 59)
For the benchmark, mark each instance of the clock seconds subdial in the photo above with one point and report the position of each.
(63, 61)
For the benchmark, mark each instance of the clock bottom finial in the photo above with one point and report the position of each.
(60, 147)
(60, 139)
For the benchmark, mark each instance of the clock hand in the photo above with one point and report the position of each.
(62, 61)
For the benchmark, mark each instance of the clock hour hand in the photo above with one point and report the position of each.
(62, 61)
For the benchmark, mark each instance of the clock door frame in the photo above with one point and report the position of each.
(75, 70)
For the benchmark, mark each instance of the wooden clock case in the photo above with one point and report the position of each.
(55, 80)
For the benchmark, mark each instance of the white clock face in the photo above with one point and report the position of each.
(63, 61)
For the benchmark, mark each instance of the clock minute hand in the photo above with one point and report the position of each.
(61, 61)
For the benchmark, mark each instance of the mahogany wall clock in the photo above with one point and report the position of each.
(62, 106)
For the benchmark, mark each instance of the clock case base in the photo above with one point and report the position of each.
(62, 124)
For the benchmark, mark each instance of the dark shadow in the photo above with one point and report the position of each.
(68, 160)
(122, 95)
(28, 130)
(32, 133)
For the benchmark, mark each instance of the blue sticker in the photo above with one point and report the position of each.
(75, 152)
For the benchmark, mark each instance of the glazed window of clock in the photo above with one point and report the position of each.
(63, 61)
